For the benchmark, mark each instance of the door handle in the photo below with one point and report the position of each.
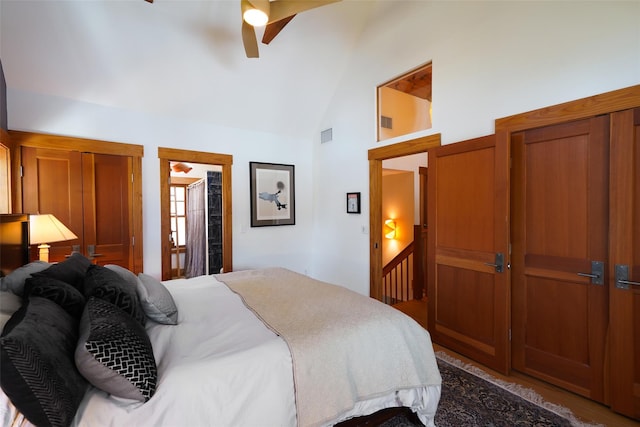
(91, 251)
(597, 273)
(622, 277)
(499, 263)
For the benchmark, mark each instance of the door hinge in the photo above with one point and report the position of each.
(133, 240)
(509, 334)
(132, 178)
(21, 171)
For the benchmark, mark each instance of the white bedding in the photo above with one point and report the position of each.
(221, 366)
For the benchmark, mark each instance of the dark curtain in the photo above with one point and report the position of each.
(196, 251)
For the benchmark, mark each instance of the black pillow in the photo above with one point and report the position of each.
(37, 367)
(62, 293)
(72, 270)
(109, 286)
(114, 352)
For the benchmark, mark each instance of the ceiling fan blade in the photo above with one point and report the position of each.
(249, 40)
(281, 9)
(274, 28)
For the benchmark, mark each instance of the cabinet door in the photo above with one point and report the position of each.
(89, 193)
(624, 243)
(560, 179)
(468, 204)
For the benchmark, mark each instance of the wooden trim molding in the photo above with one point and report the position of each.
(166, 155)
(605, 103)
(40, 140)
(376, 156)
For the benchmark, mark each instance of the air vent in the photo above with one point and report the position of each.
(386, 122)
(326, 135)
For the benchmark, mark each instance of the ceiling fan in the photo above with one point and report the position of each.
(274, 14)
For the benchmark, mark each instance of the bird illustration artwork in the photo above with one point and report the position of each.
(273, 197)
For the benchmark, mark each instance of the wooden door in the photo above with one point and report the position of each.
(89, 193)
(52, 184)
(624, 243)
(560, 181)
(106, 184)
(469, 300)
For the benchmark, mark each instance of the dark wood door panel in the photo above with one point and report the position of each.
(560, 177)
(107, 189)
(624, 243)
(52, 183)
(467, 209)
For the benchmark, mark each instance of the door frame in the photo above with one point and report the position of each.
(376, 156)
(19, 139)
(165, 156)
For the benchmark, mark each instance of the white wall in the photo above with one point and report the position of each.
(490, 60)
(286, 246)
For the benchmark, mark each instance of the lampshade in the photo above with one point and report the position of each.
(45, 229)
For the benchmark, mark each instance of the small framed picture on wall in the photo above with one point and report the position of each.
(353, 203)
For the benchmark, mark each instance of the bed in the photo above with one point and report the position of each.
(265, 347)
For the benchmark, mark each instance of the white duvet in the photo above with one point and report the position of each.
(220, 366)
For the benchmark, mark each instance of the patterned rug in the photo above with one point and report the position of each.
(471, 397)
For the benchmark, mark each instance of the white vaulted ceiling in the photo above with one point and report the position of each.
(181, 58)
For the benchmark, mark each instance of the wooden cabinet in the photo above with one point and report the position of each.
(93, 187)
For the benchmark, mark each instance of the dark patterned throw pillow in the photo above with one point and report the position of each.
(37, 368)
(114, 352)
(62, 293)
(72, 270)
(106, 284)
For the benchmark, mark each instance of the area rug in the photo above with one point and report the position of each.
(471, 397)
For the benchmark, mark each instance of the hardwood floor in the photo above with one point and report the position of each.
(584, 409)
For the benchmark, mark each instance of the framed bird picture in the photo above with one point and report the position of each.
(272, 194)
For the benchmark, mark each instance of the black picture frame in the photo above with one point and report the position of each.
(272, 194)
(353, 203)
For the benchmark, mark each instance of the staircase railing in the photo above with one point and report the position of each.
(397, 277)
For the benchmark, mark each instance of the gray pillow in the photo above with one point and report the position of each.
(9, 304)
(127, 275)
(14, 281)
(114, 352)
(157, 302)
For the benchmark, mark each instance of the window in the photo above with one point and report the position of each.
(178, 211)
(404, 104)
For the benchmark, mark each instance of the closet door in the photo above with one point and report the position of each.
(106, 184)
(89, 193)
(560, 203)
(52, 184)
(625, 263)
(468, 286)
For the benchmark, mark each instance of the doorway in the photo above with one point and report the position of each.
(224, 162)
(376, 157)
